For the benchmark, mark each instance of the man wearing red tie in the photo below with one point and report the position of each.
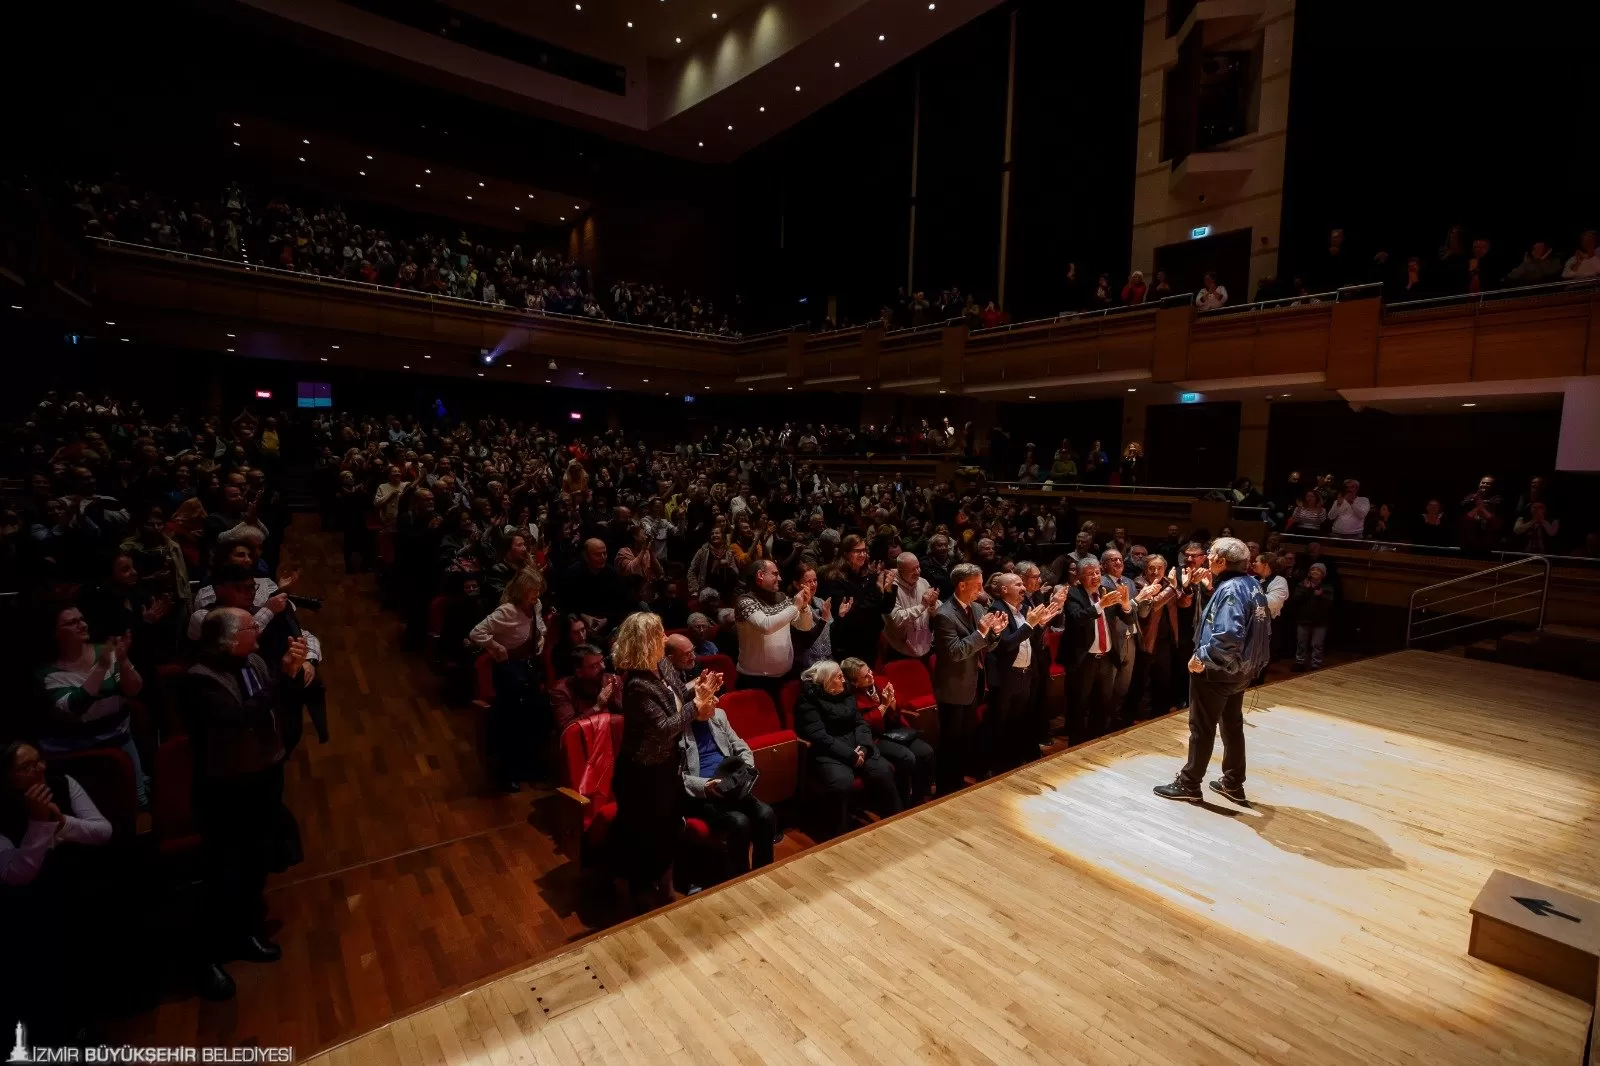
(1086, 653)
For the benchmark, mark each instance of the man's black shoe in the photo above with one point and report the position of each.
(1235, 793)
(259, 949)
(1299, 668)
(213, 983)
(1175, 791)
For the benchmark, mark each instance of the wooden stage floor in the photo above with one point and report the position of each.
(1065, 914)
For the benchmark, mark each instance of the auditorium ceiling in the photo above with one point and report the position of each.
(702, 79)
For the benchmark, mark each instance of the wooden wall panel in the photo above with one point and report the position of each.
(1293, 340)
(1352, 361)
(1542, 343)
(1170, 360)
(1221, 348)
(1432, 352)
(223, 298)
(289, 308)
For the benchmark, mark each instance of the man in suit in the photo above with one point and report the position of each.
(1009, 733)
(962, 636)
(1124, 621)
(1086, 654)
(1035, 592)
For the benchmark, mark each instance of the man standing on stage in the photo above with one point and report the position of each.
(1232, 643)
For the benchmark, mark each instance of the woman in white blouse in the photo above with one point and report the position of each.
(513, 637)
(40, 812)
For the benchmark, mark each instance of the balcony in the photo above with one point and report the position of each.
(1339, 341)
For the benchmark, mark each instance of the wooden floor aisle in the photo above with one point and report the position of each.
(416, 883)
(1064, 914)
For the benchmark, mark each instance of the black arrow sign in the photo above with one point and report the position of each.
(1543, 908)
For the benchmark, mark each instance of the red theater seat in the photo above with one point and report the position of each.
(913, 690)
(723, 665)
(788, 700)
(583, 821)
(775, 747)
(106, 774)
(171, 816)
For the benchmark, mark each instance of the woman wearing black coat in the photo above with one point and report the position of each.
(647, 779)
(855, 634)
(842, 748)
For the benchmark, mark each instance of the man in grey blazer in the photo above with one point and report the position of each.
(963, 633)
(1124, 621)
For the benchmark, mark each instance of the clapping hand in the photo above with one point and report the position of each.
(994, 622)
(886, 581)
(861, 757)
(930, 599)
(1041, 613)
(845, 605)
(1195, 665)
(294, 657)
(41, 804)
(802, 600)
(286, 579)
(158, 609)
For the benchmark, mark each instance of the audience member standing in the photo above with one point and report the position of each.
(512, 635)
(1348, 515)
(909, 632)
(856, 635)
(1087, 654)
(232, 704)
(1009, 732)
(648, 779)
(962, 636)
(764, 617)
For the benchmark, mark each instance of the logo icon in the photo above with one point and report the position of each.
(19, 1051)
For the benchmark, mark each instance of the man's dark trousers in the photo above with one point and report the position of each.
(1213, 704)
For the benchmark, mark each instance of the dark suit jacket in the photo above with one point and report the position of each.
(1077, 636)
(1124, 623)
(1004, 653)
(960, 647)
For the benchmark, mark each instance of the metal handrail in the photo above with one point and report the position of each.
(1543, 592)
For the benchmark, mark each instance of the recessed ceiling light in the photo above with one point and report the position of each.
(705, 386)
(1469, 405)
(419, 184)
(1133, 390)
(425, 170)
(480, 184)
(323, 358)
(578, 7)
(700, 144)
(1032, 397)
(630, 25)
(646, 380)
(530, 196)
(713, 14)
(507, 366)
(547, 381)
(608, 388)
(763, 107)
(405, 366)
(869, 388)
(369, 157)
(932, 6)
(749, 388)
(427, 357)
(575, 207)
(125, 341)
(232, 334)
(580, 373)
(335, 347)
(880, 36)
(363, 173)
(16, 307)
(235, 125)
(301, 158)
(236, 144)
(677, 40)
(111, 323)
(797, 88)
(789, 387)
(515, 208)
(941, 392)
(563, 218)
(469, 196)
(230, 349)
(730, 127)
(1286, 396)
(304, 141)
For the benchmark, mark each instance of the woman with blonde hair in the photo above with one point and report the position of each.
(647, 782)
(513, 637)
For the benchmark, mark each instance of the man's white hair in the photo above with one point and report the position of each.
(1232, 551)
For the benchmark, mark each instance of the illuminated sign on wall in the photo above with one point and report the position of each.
(1188, 397)
(1198, 232)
